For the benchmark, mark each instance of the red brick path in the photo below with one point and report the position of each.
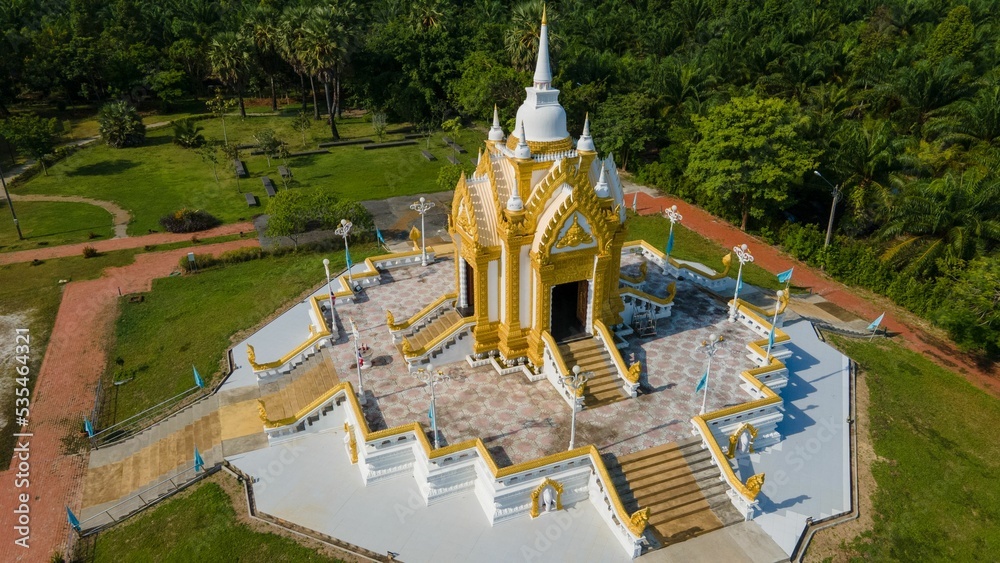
(64, 394)
(768, 257)
(46, 253)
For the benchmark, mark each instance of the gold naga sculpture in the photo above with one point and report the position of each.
(634, 371)
(637, 523)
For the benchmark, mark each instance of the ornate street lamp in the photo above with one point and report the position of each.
(343, 231)
(431, 377)
(329, 288)
(576, 381)
(422, 207)
(744, 256)
(674, 217)
(711, 345)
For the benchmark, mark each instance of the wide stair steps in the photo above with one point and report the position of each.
(680, 485)
(435, 328)
(286, 396)
(604, 386)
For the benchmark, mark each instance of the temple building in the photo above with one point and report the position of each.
(538, 229)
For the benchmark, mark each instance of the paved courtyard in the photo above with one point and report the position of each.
(520, 420)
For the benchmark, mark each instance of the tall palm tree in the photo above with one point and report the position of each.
(290, 38)
(953, 218)
(866, 156)
(262, 29)
(971, 120)
(230, 60)
(521, 39)
(323, 49)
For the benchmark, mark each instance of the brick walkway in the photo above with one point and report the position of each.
(863, 304)
(63, 394)
(46, 253)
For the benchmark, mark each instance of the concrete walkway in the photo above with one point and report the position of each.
(861, 303)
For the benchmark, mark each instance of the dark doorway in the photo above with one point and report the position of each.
(470, 294)
(569, 310)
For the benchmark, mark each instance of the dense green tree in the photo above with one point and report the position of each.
(230, 58)
(749, 154)
(971, 314)
(33, 136)
(120, 125)
(624, 125)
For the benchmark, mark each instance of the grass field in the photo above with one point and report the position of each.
(935, 435)
(188, 320)
(161, 177)
(46, 223)
(197, 525)
(689, 245)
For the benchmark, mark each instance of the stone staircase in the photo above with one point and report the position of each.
(314, 377)
(604, 386)
(432, 330)
(681, 487)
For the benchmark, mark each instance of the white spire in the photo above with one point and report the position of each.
(514, 202)
(602, 189)
(496, 132)
(586, 142)
(521, 150)
(543, 71)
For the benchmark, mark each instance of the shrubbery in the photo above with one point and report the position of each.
(234, 256)
(189, 221)
(120, 125)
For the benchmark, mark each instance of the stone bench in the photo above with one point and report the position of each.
(268, 186)
(452, 159)
(428, 155)
(241, 169)
(251, 200)
(284, 172)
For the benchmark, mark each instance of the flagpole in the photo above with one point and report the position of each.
(774, 323)
(711, 344)
(674, 217)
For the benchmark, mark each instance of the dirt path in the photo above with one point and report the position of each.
(862, 303)
(121, 216)
(64, 393)
(123, 243)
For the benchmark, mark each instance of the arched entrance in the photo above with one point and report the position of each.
(568, 320)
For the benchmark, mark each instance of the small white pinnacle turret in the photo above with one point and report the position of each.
(521, 150)
(602, 189)
(496, 132)
(586, 142)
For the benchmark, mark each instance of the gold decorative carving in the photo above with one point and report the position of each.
(637, 522)
(352, 443)
(390, 320)
(538, 492)
(262, 412)
(634, 371)
(734, 439)
(754, 484)
(407, 347)
(635, 279)
(727, 261)
(252, 358)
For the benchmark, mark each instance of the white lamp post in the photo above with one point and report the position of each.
(674, 217)
(774, 323)
(712, 348)
(329, 288)
(575, 382)
(10, 204)
(431, 377)
(744, 256)
(344, 230)
(833, 207)
(422, 207)
(357, 359)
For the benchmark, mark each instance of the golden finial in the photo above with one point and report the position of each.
(544, 19)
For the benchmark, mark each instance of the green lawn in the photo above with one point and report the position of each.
(197, 525)
(160, 177)
(51, 223)
(689, 245)
(938, 497)
(189, 319)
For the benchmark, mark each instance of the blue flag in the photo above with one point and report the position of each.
(785, 276)
(702, 382)
(73, 520)
(670, 242)
(88, 427)
(199, 463)
(430, 413)
(197, 378)
(875, 324)
(770, 339)
(378, 234)
(739, 283)
(349, 263)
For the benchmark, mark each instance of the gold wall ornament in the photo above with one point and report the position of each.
(754, 485)
(407, 347)
(575, 235)
(535, 494)
(634, 371)
(352, 443)
(734, 439)
(637, 522)
(252, 358)
(262, 412)
(390, 320)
